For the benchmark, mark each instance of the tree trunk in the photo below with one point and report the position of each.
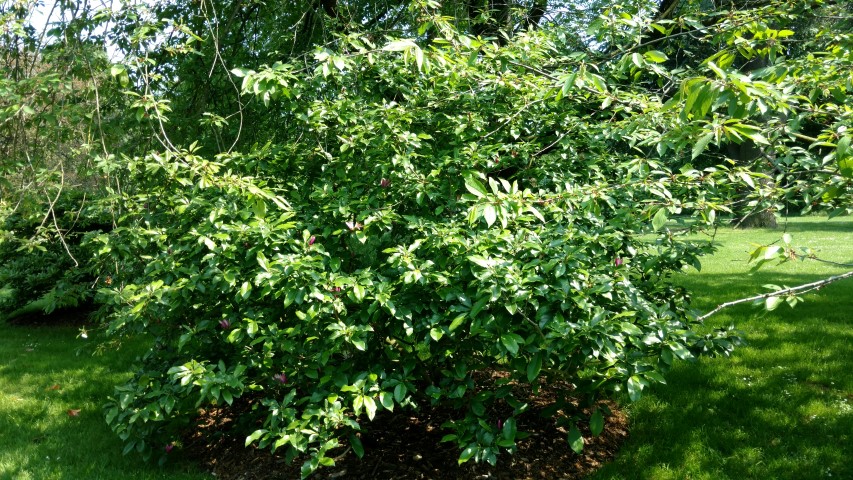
(762, 219)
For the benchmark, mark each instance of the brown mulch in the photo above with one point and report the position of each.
(406, 445)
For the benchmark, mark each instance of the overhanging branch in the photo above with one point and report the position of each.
(798, 289)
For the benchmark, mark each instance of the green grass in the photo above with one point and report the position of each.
(780, 408)
(38, 439)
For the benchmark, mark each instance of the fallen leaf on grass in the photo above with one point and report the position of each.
(73, 412)
(55, 387)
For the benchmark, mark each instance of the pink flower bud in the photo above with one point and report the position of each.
(385, 183)
(312, 240)
(225, 324)
(500, 424)
(617, 261)
(280, 377)
(169, 448)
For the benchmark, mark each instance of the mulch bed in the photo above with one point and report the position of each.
(406, 445)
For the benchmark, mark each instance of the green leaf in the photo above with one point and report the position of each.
(536, 213)
(844, 156)
(113, 412)
(655, 56)
(478, 408)
(490, 214)
(631, 329)
(260, 208)
(701, 144)
(117, 70)
(596, 423)
(400, 392)
(681, 352)
(356, 445)
(456, 322)
(569, 84)
(771, 251)
(475, 187)
(358, 292)
(637, 59)
(208, 243)
(477, 307)
(508, 341)
(399, 45)
(254, 436)
(575, 439)
(598, 82)
(467, 453)
(359, 343)
(387, 401)
(370, 406)
(694, 89)
(436, 333)
(308, 467)
(720, 73)
(534, 367)
(509, 429)
(262, 261)
(843, 147)
(747, 178)
(659, 219)
(655, 376)
(635, 388)
(770, 303)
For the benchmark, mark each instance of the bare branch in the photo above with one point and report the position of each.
(798, 289)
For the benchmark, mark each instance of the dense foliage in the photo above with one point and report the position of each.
(417, 206)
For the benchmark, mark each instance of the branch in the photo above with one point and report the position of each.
(798, 289)
(800, 136)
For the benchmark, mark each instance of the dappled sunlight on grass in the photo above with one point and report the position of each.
(50, 410)
(780, 407)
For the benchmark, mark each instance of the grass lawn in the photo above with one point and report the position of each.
(780, 408)
(42, 378)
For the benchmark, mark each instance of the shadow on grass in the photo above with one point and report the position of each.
(781, 407)
(711, 289)
(51, 402)
(814, 224)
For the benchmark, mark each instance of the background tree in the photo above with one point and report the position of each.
(56, 134)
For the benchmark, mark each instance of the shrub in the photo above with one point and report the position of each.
(408, 235)
(36, 265)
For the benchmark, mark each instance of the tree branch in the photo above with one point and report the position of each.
(798, 289)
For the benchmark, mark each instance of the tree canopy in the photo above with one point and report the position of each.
(332, 208)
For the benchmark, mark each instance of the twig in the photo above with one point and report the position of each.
(800, 136)
(798, 289)
(341, 456)
(512, 117)
(828, 262)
